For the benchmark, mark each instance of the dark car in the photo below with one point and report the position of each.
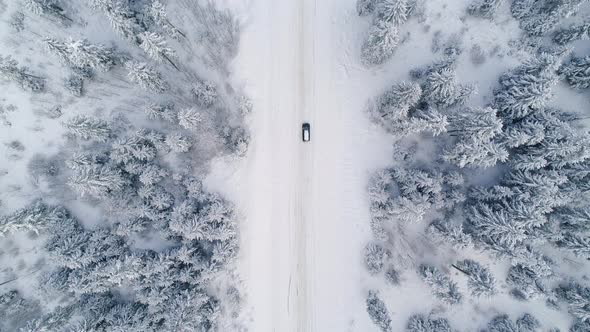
(306, 132)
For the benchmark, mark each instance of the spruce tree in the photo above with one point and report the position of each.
(421, 323)
(378, 312)
(205, 92)
(527, 88)
(156, 47)
(147, 77)
(50, 8)
(157, 12)
(484, 8)
(440, 284)
(481, 282)
(396, 102)
(381, 42)
(577, 299)
(88, 129)
(577, 72)
(572, 33)
(190, 118)
(178, 143)
(82, 54)
(578, 244)
(96, 181)
(394, 12)
(365, 7)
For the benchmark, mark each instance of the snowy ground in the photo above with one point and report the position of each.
(305, 202)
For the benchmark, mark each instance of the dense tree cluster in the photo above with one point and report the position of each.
(541, 16)
(502, 323)
(159, 256)
(481, 282)
(48, 8)
(533, 209)
(89, 265)
(383, 37)
(378, 312)
(577, 72)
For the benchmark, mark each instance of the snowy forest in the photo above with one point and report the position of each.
(115, 230)
(296, 165)
(488, 199)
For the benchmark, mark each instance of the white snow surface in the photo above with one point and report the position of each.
(305, 204)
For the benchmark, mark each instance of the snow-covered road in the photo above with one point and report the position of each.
(305, 203)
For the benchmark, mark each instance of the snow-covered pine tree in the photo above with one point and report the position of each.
(88, 129)
(527, 323)
(501, 323)
(152, 174)
(133, 148)
(396, 102)
(481, 281)
(378, 312)
(81, 54)
(473, 152)
(576, 243)
(365, 7)
(476, 128)
(178, 143)
(394, 12)
(421, 323)
(577, 72)
(527, 281)
(36, 218)
(572, 33)
(156, 47)
(442, 89)
(161, 112)
(157, 12)
(577, 299)
(205, 92)
(392, 276)
(381, 42)
(527, 88)
(476, 122)
(496, 228)
(9, 70)
(121, 17)
(572, 219)
(210, 220)
(484, 8)
(538, 17)
(446, 232)
(440, 284)
(96, 181)
(190, 118)
(376, 257)
(236, 140)
(49, 8)
(75, 85)
(146, 76)
(428, 120)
